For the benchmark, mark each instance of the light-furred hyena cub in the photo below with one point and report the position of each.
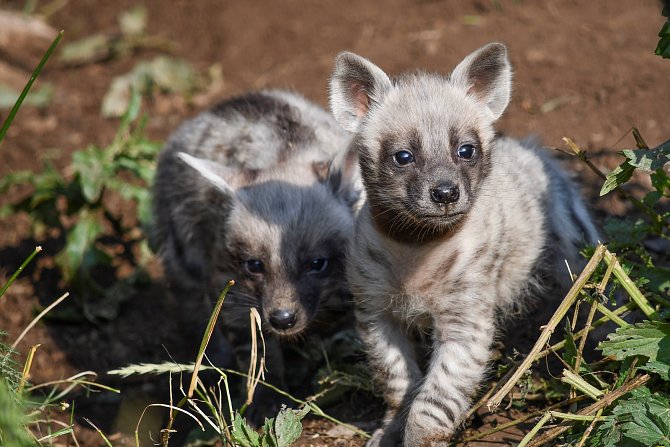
(459, 226)
(258, 189)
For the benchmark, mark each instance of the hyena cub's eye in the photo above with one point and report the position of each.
(254, 266)
(317, 265)
(466, 151)
(403, 158)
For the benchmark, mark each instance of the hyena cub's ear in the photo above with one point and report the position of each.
(222, 178)
(487, 75)
(357, 84)
(342, 175)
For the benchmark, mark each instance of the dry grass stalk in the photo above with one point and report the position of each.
(563, 308)
(256, 367)
(604, 402)
(38, 318)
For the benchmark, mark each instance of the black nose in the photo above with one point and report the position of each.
(282, 318)
(445, 193)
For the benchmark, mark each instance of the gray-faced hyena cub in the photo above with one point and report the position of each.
(458, 227)
(259, 189)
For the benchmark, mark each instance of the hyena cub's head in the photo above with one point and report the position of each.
(283, 240)
(424, 140)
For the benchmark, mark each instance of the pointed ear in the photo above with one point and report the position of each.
(212, 172)
(487, 75)
(357, 84)
(342, 175)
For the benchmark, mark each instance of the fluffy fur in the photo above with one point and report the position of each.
(259, 189)
(452, 237)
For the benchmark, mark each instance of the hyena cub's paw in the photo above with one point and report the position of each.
(384, 438)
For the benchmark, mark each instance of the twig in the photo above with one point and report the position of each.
(549, 329)
(630, 287)
(589, 429)
(606, 401)
(577, 335)
(522, 419)
(531, 434)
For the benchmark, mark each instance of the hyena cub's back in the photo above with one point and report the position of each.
(459, 226)
(259, 189)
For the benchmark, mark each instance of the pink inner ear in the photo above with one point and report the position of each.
(361, 99)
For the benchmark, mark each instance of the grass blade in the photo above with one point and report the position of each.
(26, 89)
(19, 270)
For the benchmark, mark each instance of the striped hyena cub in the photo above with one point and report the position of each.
(259, 189)
(459, 225)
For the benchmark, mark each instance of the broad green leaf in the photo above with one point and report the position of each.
(288, 426)
(134, 21)
(242, 434)
(619, 176)
(37, 98)
(79, 240)
(163, 73)
(663, 47)
(649, 160)
(89, 165)
(648, 339)
(660, 368)
(269, 439)
(16, 178)
(89, 49)
(645, 419)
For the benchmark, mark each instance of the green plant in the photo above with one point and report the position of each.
(77, 207)
(622, 398)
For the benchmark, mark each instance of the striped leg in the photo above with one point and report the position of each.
(461, 351)
(394, 361)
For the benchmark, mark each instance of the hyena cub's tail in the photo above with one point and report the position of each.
(571, 226)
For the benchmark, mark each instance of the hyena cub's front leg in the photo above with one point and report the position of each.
(458, 362)
(394, 361)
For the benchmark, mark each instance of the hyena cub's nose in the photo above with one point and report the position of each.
(445, 192)
(283, 318)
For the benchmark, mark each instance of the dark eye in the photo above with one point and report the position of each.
(466, 151)
(317, 265)
(254, 266)
(403, 158)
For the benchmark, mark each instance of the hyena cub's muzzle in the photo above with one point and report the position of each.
(445, 193)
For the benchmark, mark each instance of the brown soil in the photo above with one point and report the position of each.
(583, 69)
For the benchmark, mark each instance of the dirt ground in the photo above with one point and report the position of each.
(582, 69)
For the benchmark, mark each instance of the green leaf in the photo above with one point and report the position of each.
(12, 420)
(648, 160)
(243, 435)
(288, 427)
(134, 21)
(79, 240)
(660, 368)
(15, 178)
(619, 176)
(645, 419)
(648, 339)
(663, 47)
(89, 165)
(269, 439)
(87, 50)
